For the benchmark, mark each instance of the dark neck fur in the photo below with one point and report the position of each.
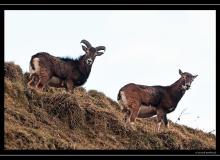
(82, 67)
(176, 91)
(84, 70)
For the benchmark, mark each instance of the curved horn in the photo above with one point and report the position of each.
(100, 48)
(88, 45)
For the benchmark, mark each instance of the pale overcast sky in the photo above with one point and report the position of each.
(143, 47)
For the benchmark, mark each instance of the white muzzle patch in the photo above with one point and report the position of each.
(186, 86)
(89, 61)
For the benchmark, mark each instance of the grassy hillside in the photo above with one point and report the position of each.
(83, 120)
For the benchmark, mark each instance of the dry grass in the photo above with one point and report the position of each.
(82, 120)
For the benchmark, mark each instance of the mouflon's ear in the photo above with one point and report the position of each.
(84, 48)
(195, 76)
(180, 72)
